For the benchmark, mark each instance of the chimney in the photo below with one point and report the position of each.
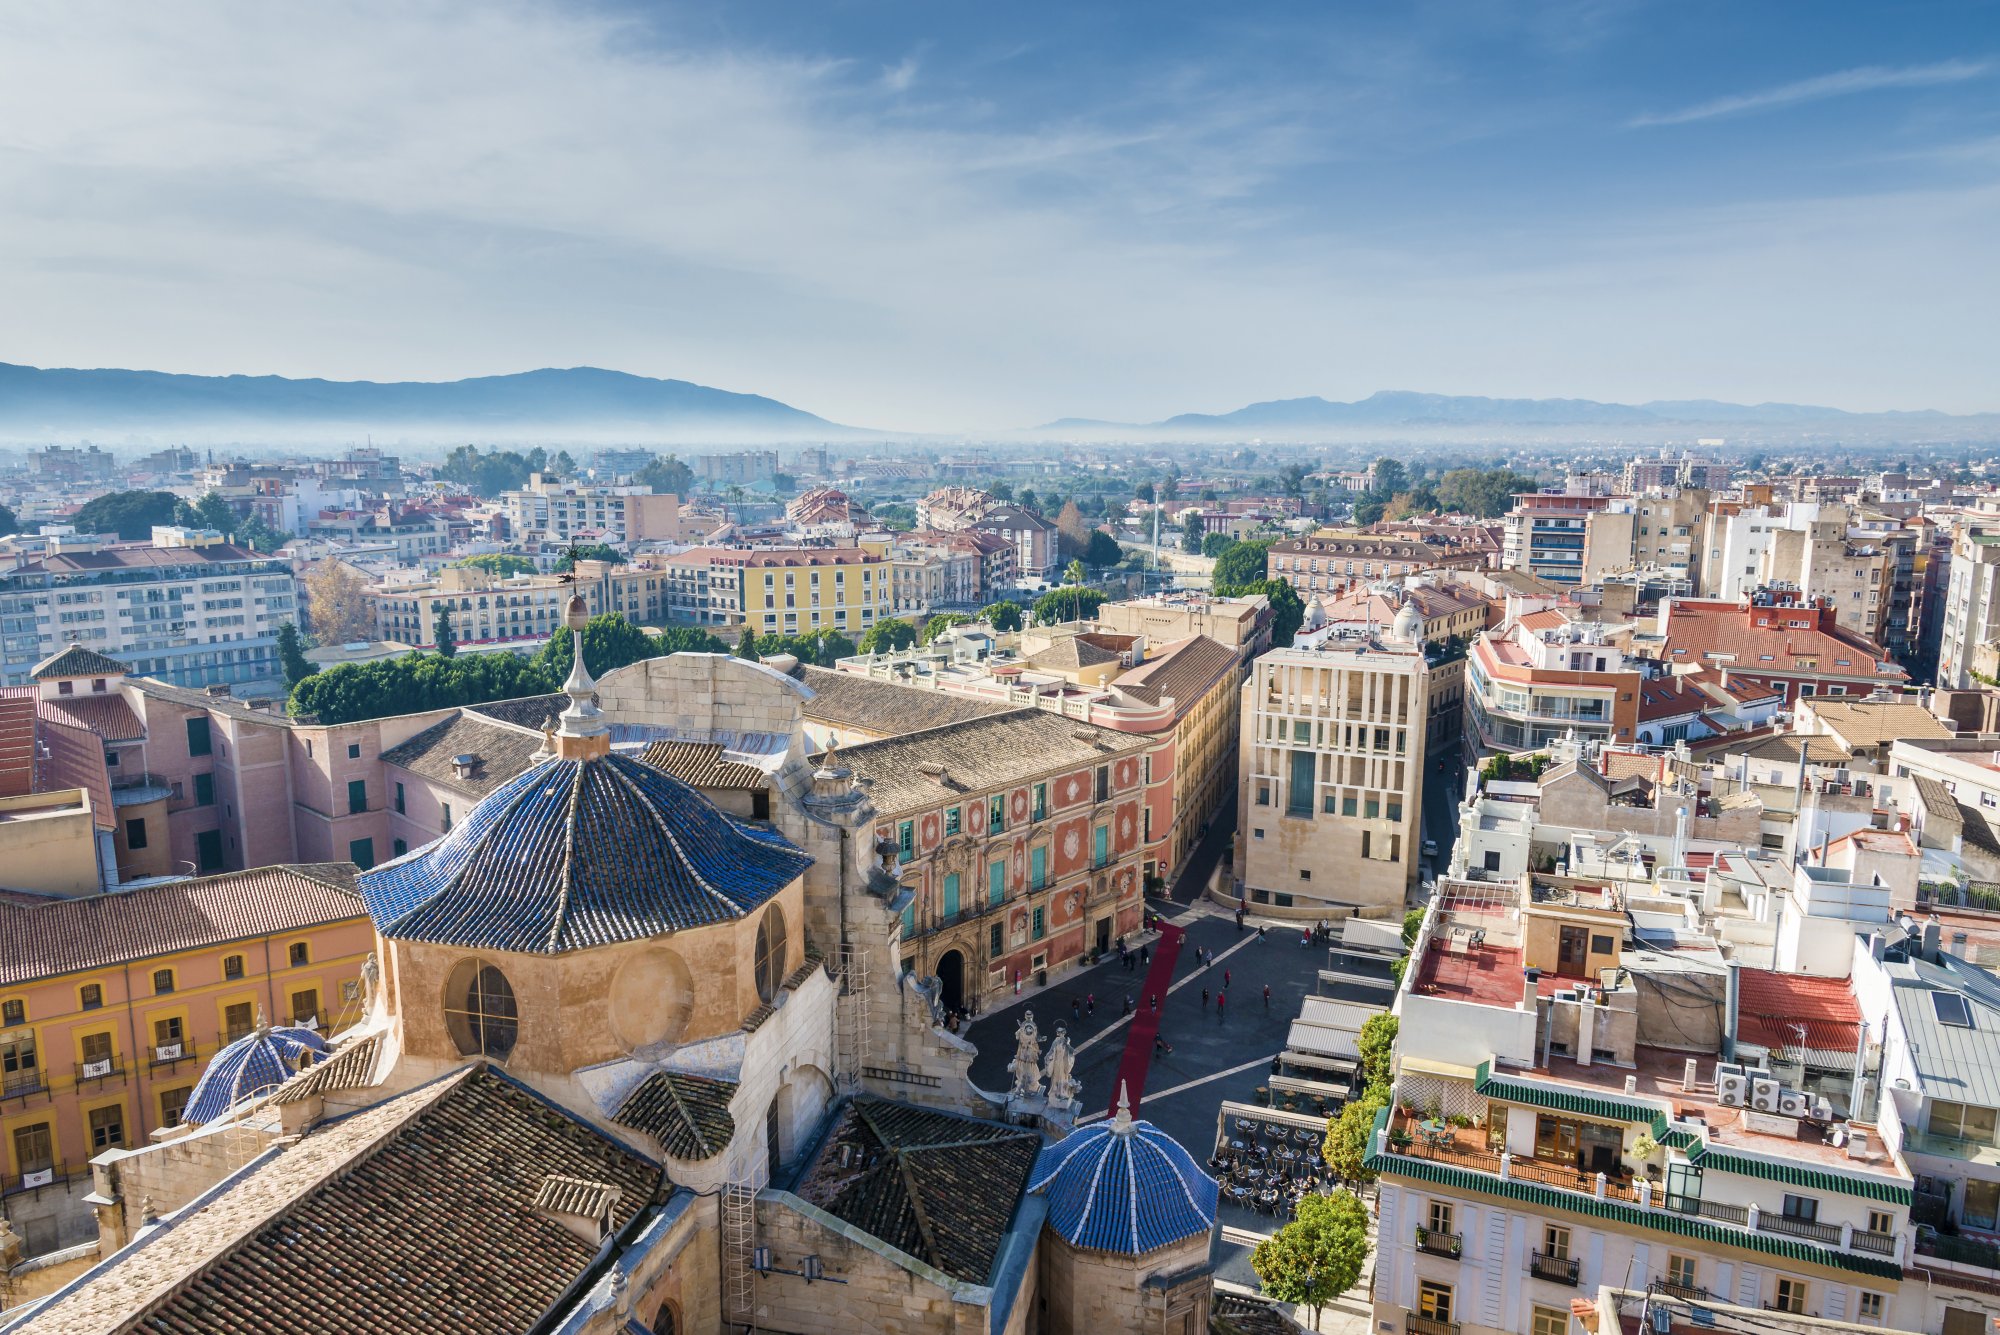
(1688, 1075)
(1876, 946)
(1530, 989)
(1931, 933)
(1732, 1003)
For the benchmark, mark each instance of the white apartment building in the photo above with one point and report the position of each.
(1331, 768)
(1971, 603)
(187, 608)
(567, 511)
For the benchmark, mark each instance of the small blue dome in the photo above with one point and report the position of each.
(1124, 1186)
(262, 1059)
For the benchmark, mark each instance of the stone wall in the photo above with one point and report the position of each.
(1088, 1292)
(884, 1293)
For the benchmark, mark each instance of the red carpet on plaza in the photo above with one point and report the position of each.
(1146, 1020)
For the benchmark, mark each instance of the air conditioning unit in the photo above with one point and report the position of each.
(1732, 1087)
(1794, 1103)
(1764, 1094)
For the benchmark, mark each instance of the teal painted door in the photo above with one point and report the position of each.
(996, 882)
(1103, 847)
(1038, 867)
(951, 896)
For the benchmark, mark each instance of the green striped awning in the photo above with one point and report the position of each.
(1666, 1221)
(1794, 1175)
(1599, 1106)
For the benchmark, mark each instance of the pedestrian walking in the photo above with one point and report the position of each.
(1267, 996)
(1127, 1006)
(1075, 1010)
(1220, 997)
(1145, 954)
(1225, 979)
(1090, 1003)
(1161, 1045)
(1154, 997)
(1239, 922)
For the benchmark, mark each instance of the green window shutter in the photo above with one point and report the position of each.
(996, 881)
(951, 895)
(1038, 867)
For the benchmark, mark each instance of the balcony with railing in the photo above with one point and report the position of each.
(20, 1084)
(171, 1054)
(97, 1072)
(38, 1179)
(1428, 1325)
(1438, 1243)
(1555, 1269)
(1693, 1293)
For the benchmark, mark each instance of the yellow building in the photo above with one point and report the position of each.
(110, 1005)
(793, 591)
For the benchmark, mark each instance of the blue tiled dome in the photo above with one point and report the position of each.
(578, 853)
(260, 1060)
(1124, 1186)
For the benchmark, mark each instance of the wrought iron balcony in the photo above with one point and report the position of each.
(1439, 1244)
(1556, 1269)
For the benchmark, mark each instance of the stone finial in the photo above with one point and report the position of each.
(621, 1290)
(1122, 1123)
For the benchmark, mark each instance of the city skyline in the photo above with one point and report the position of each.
(954, 221)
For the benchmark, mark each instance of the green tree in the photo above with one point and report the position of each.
(9, 522)
(1074, 573)
(1319, 1255)
(1103, 550)
(1192, 531)
(784, 484)
(1483, 492)
(502, 564)
(1288, 610)
(259, 536)
(609, 641)
(746, 647)
(589, 551)
(892, 515)
(130, 514)
(885, 637)
(1292, 479)
(1003, 616)
(690, 640)
(442, 632)
(1068, 603)
(941, 623)
(1003, 490)
(1143, 491)
(735, 495)
(1390, 477)
(1027, 500)
(562, 465)
(1368, 512)
(1244, 563)
(1215, 544)
(1377, 1043)
(492, 472)
(1347, 1136)
(821, 648)
(352, 691)
(1413, 922)
(292, 655)
(667, 475)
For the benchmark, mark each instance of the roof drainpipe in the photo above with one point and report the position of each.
(1732, 1003)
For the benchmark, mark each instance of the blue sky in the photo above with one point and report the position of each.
(952, 216)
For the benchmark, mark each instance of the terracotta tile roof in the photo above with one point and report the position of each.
(1072, 651)
(1669, 697)
(95, 931)
(1772, 1007)
(415, 1215)
(580, 853)
(1876, 722)
(74, 758)
(688, 1114)
(1184, 672)
(559, 1194)
(702, 765)
(502, 752)
(847, 699)
(352, 1067)
(106, 715)
(936, 1186)
(528, 711)
(77, 661)
(979, 756)
(17, 741)
(1776, 646)
(228, 706)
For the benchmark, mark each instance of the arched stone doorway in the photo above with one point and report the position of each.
(951, 980)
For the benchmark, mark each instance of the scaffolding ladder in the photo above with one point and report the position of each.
(739, 1242)
(850, 1017)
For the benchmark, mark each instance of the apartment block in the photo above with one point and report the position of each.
(568, 511)
(1336, 559)
(187, 608)
(1971, 612)
(1333, 745)
(1543, 535)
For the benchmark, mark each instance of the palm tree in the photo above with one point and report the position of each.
(735, 495)
(1075, 574)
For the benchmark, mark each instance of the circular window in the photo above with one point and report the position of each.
(770, 953)
(480, 1012)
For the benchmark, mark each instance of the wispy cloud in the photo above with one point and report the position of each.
(1864, 79)
(897, 78)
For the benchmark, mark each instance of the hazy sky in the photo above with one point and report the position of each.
(945, 214)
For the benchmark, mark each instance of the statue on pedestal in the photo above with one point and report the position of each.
(1027, 1063)
(1062, 1088)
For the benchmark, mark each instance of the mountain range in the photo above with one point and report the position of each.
(1408, 411)
(577, 403)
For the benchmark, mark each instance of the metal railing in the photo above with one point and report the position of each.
(106, 1069)
(1811, 1230)
(1428, 1325)
(170, 1054)
(1439, 1244)
(1880, 1244)
(20, 1084)
(1558, 1269)
(1688, 1292)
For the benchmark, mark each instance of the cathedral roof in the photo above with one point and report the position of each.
(579, 853)
(688, 1114)
(1124, 1186)
(261, 1060)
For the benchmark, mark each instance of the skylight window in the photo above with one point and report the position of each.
(1951, 1010)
